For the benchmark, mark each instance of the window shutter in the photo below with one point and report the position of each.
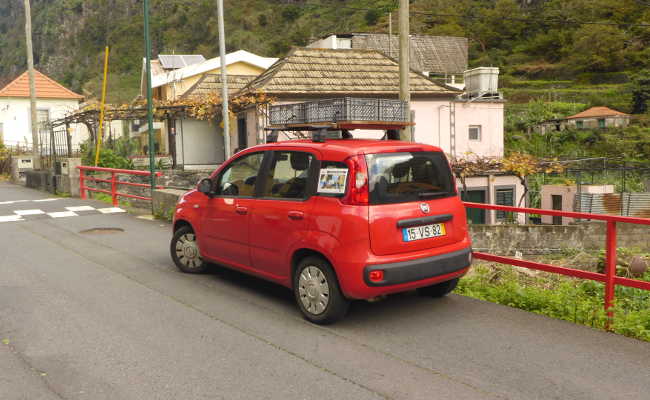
(504, 197)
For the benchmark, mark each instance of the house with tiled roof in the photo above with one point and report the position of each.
(53, 101)
(598, 118)
(441, 117)
(592, 118)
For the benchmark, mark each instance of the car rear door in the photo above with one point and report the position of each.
(282, 212)
(225, 226)
(413, 202)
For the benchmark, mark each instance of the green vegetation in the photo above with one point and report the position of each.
(556, 296)
(531, 40)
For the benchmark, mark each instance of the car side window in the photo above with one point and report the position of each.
(238, 179)
(289, 175)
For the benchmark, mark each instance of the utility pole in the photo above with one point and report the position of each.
(152, 143)
(224, 81)
(404, 64)
(32, 85)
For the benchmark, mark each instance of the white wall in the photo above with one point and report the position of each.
(432, 126)
(15, 116)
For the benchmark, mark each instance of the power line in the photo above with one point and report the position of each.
(530, 20)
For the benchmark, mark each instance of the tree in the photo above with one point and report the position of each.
(640, 87)
(597, 48)
(523, 165)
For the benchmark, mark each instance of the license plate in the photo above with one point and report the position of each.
(423, 232)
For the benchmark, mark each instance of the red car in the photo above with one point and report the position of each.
(334, 221)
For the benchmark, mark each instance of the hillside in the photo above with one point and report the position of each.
(528, 39)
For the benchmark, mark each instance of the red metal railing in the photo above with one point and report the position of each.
(113, 181)
(609, 278)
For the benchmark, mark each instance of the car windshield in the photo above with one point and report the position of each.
(404, 177)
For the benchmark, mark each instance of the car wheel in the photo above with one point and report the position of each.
(439, 290)
(185, 251)
(317, 291)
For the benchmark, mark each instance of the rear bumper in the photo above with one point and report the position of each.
(419, 269)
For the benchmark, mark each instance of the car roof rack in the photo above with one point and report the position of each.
(343, 114)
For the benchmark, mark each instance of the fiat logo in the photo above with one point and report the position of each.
(424, 207)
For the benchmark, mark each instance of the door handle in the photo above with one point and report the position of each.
(295, 215)
(241, 210)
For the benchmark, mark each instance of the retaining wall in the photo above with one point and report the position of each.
(541, 239)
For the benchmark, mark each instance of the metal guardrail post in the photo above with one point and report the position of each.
(114, 189)
(82, 188)
(610, 272)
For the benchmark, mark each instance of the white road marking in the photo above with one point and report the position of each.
(110, 210)
(11, 218)
(63, 214)
(53, 199)
(80, 208)
(14, 201)
(29, 212)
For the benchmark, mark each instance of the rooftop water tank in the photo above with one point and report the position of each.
(482, 81)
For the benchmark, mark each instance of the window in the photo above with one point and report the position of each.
(505, 197)
(580, 124)
(238, 179)
(288, 175)
(403, 177)
(601, 123)
(475, 132)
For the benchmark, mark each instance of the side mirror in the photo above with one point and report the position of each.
(205, 186)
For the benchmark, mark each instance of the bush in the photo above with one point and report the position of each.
(107, 159)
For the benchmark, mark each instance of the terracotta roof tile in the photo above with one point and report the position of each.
(46, 88)
(598, 112)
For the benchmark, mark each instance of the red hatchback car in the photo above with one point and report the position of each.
(334, 221)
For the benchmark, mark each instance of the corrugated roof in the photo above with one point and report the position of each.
(46, 88)
(175, 61)
(339, 72)
(166, 77)
(211, 83)
(598, 112)
(437, 54)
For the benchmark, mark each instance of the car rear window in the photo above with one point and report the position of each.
(404, 177)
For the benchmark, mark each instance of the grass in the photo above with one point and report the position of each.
(103, 197)
(570, 299)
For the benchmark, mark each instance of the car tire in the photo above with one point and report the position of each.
(439, 290)
(317, 291)
(185, 251)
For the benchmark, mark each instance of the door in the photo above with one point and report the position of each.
(281, 214)
(475, 215)
(225, 227)
(557, 205)
(242, 135)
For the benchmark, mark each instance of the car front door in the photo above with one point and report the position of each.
(282, 212)
(225, 226)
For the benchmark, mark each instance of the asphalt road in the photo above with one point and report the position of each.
(106, 315)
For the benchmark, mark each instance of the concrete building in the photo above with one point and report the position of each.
(562, 197)
(53, 101)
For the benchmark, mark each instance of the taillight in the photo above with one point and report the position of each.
(357, 182)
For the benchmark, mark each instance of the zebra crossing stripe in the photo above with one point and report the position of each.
(80, 208)
(29, 212)
(11, 218)
(63, 214)
(110, 210)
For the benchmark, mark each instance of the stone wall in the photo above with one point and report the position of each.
(540, 239)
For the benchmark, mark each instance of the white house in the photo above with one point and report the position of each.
(53, 101)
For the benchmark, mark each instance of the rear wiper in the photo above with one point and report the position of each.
(432, 194)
